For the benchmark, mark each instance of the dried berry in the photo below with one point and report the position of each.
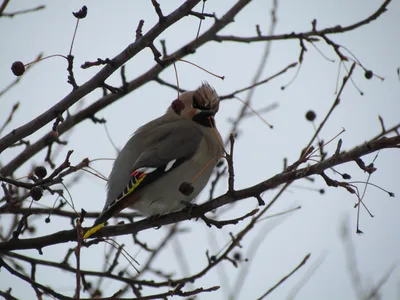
(40, 172)
(36, 193)
(186, 188)
(177, 105)
(368, 74)
(81, 14)
(310, 115)
(18, 68)
(47, 220)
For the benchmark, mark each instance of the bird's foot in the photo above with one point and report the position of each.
(153, 218)
(188, 206)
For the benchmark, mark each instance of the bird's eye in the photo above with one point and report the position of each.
(195, 104)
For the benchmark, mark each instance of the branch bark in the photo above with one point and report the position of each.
(97, 80)
(103, 102)
(197, 212)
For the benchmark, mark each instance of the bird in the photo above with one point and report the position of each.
(168, 161)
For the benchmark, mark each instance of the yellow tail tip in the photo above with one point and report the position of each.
(92, 230)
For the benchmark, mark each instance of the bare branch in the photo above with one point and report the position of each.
(20, 12)
(309, 35)
(303, 262)
(97, 80)
(198, 211)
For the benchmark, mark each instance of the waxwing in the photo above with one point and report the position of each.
(182, 146)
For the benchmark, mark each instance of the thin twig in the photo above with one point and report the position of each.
(19, 12)
(303, 262)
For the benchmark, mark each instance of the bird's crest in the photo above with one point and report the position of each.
(208, 96)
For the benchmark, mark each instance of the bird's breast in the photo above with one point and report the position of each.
(210, 149)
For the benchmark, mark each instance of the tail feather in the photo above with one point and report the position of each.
(93, 230)
(109, 212)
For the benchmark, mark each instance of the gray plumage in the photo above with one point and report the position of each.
(161, 141)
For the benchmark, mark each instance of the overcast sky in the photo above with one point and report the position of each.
(259, 153)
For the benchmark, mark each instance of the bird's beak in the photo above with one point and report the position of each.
(205, 113)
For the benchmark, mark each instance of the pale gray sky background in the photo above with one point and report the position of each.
(110, 27)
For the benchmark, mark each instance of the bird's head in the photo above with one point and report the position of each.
(199, 105)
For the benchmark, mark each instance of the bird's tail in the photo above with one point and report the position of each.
(109, 212)
(93, 230)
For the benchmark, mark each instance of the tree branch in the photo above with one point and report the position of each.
(198, 211)
(97, 80)
(103, 102)
(309, 34)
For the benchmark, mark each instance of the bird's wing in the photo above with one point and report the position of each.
(163, 149)
(166, 147)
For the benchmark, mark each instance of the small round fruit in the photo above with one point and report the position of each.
(237, 256)
(368, 74)
(40, 172)
(310, 115)
(18, 68)
(186, 188)
(36, 193)
(177, 105)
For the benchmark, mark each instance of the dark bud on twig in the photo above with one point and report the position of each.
(40, 172)
(322, 191)
(260, 200)
(36, 193)
(83, 215)
(310, 115)
(368, 74)
(81, 14)
(31, 229)
(346, 176)
(47, 220)
(18, 68)
(186, 188)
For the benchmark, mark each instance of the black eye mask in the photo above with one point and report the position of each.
(205, 118)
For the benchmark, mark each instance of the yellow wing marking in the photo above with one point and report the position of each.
(96, 228)
(132, 188)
